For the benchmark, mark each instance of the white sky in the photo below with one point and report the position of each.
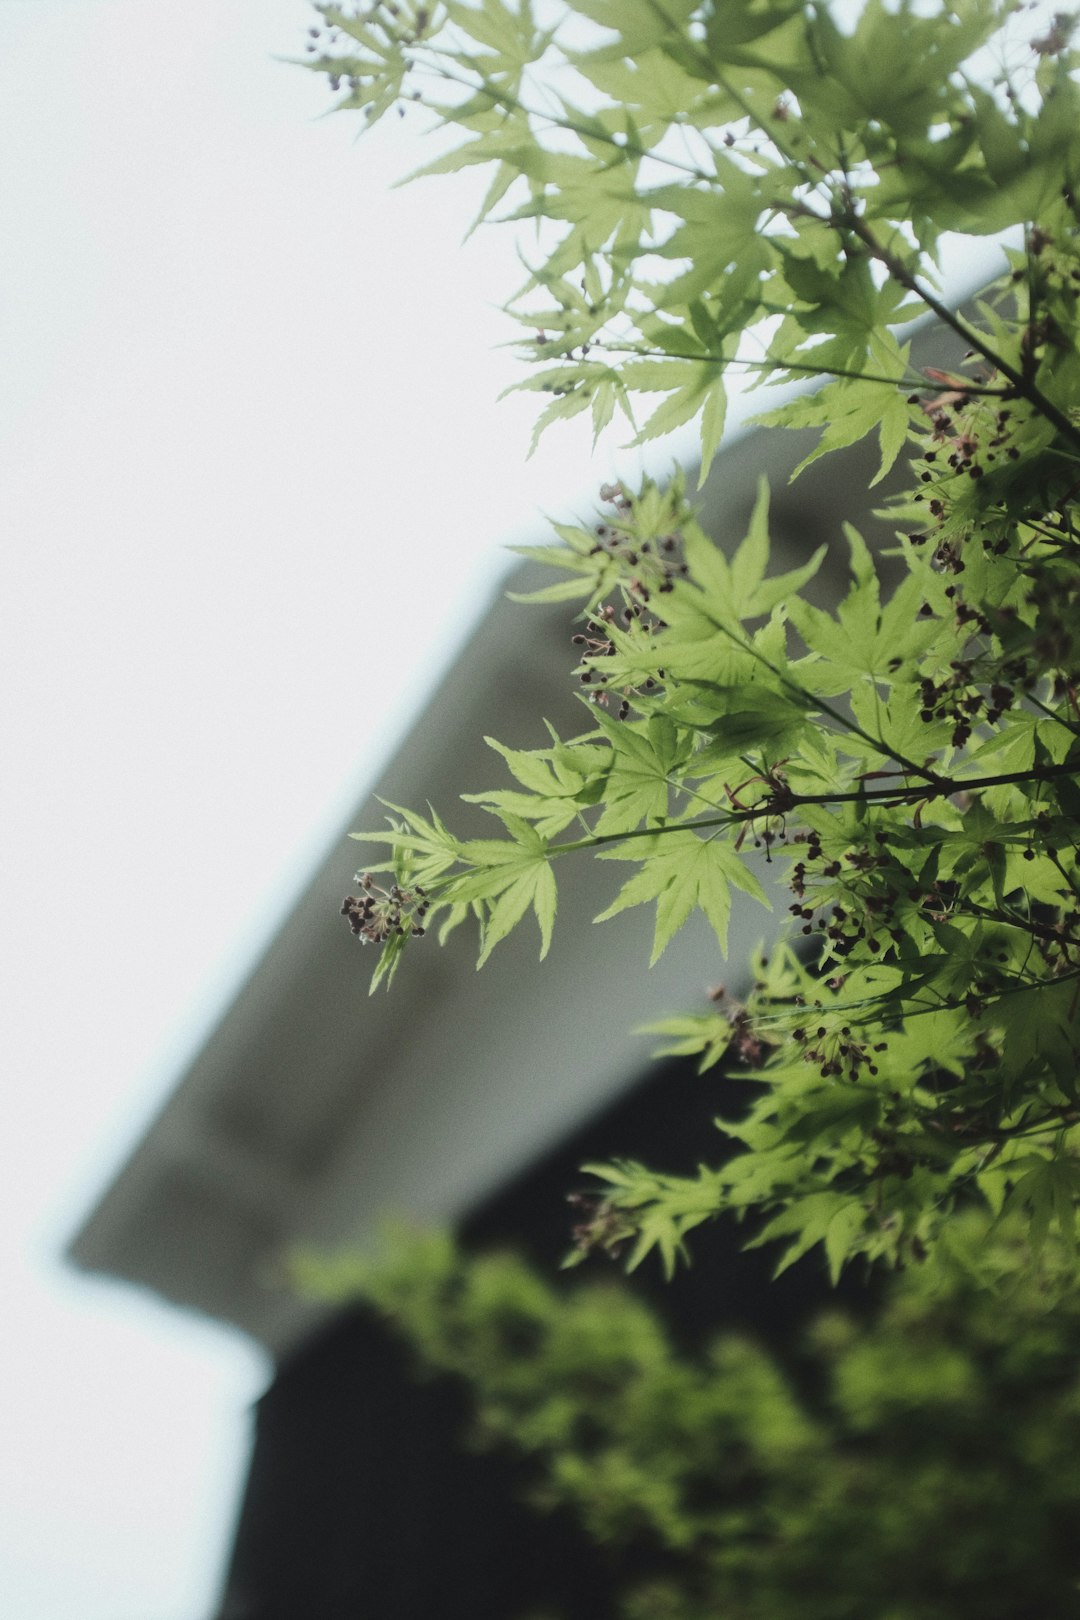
(254, 483)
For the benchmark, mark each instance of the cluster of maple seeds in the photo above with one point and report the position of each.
(960, 698)
(1056, 645)
(968, 446)
(377, 914)
(1060, 952)
(324, 40)
(747, 1042)
(843, 927)
(597, 643)
(600, 1228)
(328, 38)
(961, 445)
(655, 563)
(838, 1052)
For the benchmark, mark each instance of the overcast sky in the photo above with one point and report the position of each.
(253, 486)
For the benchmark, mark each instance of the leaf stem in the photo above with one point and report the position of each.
(909, 381)
(501, 97)
(850, 220)
(785, 803)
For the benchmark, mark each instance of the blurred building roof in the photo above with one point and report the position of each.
(311, 1109)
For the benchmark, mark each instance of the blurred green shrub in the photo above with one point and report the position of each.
(923, 1467)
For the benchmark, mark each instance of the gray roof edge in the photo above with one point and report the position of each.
(309, 1109)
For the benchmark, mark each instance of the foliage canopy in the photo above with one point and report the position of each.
(924, 1467)
(767, 187)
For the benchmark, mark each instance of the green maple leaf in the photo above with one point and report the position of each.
(682, 871)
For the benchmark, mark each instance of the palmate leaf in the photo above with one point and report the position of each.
(693, 387)
(667, 1208)
(849, 409)
(388, 962)
(682, 871)
(593, 573)
(693, 1034)
(829, 1218)
(506, 876)
(854, 640)
(893, 66)
(560, 782)
(640, 24)
(1045, 1187)
(427, 842)
(720, 239)
(645, 758)
(755, 722)
(737, 590)
(609, 212)
(510, 36)
(838, 300)
(658, 88)
(535, 887)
